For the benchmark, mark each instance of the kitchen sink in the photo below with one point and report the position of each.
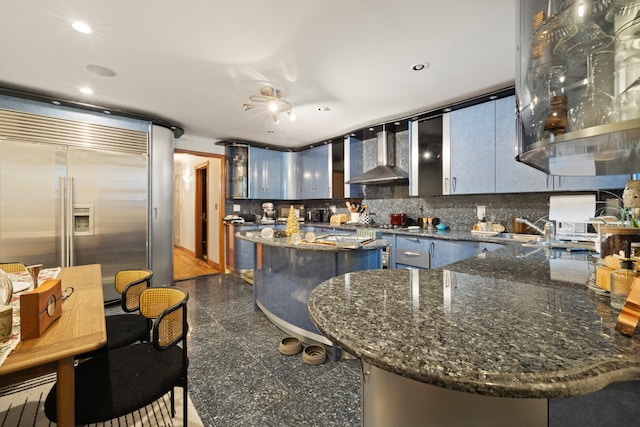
(520, 237)
(537, 241)
(561, 244)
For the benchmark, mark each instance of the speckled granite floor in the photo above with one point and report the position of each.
(238, 377)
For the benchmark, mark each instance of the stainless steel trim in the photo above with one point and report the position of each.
(446, 152)
(293, 330)
(414, 161)
(29, 127)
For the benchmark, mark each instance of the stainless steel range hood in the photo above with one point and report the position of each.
(385, 171)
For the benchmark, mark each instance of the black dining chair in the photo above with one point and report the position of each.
(131, 327)
(120, 381)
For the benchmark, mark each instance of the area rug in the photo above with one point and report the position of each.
(22, 405)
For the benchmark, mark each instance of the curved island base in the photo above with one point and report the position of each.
(389, 399)
(286, 273)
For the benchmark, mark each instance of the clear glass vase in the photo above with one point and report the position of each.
(6, 288)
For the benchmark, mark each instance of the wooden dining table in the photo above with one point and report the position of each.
(80, 328)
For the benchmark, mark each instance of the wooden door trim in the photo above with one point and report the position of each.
(221, 265)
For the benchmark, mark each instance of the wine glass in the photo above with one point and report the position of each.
(34, 271)
(547, 76)
(594, 107)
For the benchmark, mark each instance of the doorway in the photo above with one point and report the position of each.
(202, 217)
(198, 214)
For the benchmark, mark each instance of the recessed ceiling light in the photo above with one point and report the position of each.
(420, 66)
(100, 70)
(82, 27)
(86, 90)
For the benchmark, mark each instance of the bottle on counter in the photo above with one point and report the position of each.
(622, 279)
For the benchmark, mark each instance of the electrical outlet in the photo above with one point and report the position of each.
(482, 212)
(236, 208)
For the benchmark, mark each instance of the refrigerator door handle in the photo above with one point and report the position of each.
(62, 190)
(70, 229)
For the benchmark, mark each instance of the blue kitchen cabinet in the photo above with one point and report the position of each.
(307, 174)
(513, 176)
(266, 174)
(426, 253)
(471, 150)
(354, 165)
(411, 252)
(314, 175)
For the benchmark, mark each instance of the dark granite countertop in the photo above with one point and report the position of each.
(286, 242)
(514, 322)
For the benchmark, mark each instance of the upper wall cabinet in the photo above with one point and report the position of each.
(307, 174)
(479, 148)
(266, 177)
(511, 175)
(337, 169)
(469, 162)
(353, 166)
(426, 177)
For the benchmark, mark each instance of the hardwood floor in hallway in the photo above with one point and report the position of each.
(186, 266)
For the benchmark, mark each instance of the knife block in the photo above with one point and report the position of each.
(40, 308)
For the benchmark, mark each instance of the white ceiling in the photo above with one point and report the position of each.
(195, 63)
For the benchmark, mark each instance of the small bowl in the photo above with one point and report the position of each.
(441, 227)
(290, 346)
(314, 354)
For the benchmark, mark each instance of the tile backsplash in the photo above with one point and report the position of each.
(458, 212)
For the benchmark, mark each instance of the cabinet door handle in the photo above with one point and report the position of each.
(446, 185)
(412, 239)
(432, 248)
(410, 253)
(453, 185)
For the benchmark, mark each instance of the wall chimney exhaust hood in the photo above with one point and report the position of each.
(385, 171)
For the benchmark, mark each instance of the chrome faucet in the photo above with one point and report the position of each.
(548, 231)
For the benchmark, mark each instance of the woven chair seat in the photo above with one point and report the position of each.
(143, 376)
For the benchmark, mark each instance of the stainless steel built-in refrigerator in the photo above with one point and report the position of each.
(65, 206)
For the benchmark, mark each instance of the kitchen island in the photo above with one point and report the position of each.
(485, 341)
(285, 273)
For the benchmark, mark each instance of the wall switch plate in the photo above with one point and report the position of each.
(482, 212)
(236, 208)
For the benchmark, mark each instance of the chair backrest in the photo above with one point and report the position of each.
(168, 306)
(12, 267)
(131, 283)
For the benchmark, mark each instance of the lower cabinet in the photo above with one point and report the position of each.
(427, 253)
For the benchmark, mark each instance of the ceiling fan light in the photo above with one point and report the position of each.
(273, 106)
